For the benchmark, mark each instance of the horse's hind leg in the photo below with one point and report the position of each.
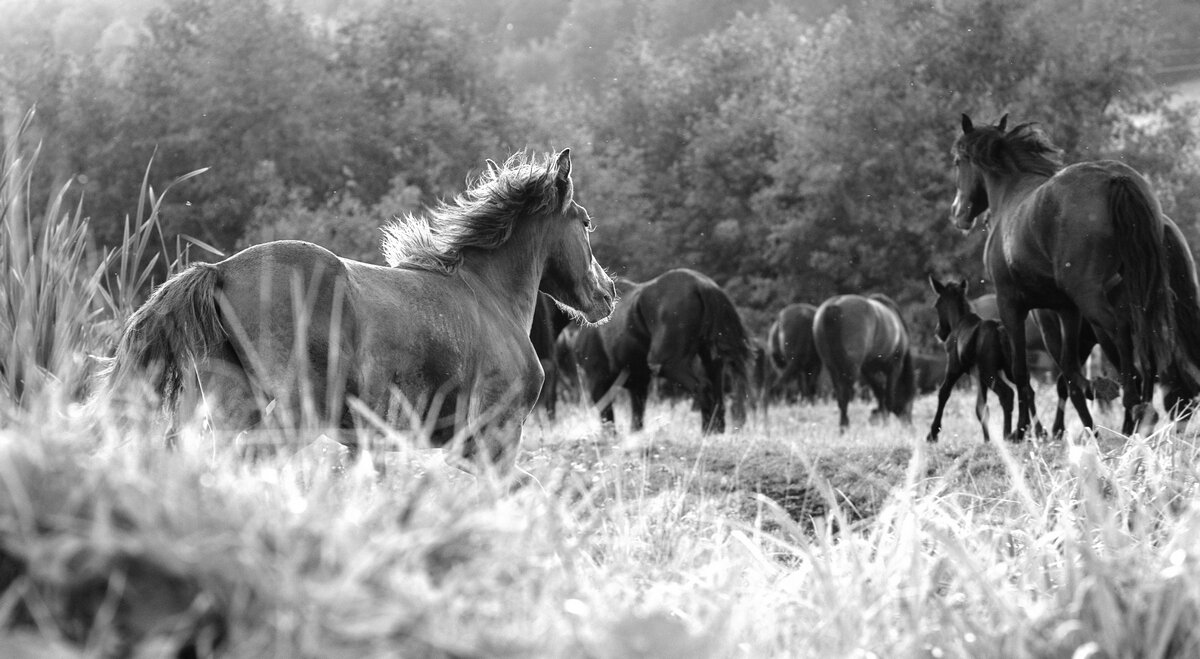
(981, 410)
(1005, 394)
(1071, 323)
(1013, 319)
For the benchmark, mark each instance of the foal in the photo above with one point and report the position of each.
(971, 343)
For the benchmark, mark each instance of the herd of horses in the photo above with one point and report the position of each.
(487, 296)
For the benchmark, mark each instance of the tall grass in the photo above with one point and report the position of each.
(664, 543)
(61, 303)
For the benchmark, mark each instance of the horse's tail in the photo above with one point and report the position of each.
(726, 336)
(1185, 292)
(1142, 256)
(178, 326)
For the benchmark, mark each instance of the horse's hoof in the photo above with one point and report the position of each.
(931, 438)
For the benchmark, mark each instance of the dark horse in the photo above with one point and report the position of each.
(286, 335)
(1179, 391)
(792, 351)
(1086, 241)
(866, 337)
(972, 343)
(664, 327)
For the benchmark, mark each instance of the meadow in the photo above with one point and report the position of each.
(785, 538)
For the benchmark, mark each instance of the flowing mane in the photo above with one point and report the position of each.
(1024, 149)
(481, 217)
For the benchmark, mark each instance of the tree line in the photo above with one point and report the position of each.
(790, 150)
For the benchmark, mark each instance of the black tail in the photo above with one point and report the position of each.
(178, 326)
(1185, 292)
(1143, 263)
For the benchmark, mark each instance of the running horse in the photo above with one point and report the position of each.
(975, 344)
(1086, 241)
(287, 335)
(866, 337)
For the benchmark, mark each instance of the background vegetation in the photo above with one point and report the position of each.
(791, 150)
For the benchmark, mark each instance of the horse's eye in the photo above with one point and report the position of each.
(588, 225)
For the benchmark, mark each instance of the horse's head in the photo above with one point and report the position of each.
(572, 276)
(951, 305)
(970, 196)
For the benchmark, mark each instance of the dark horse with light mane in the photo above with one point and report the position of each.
(664, 327)
(1086, 241)
(792, 351)
(284, 335)
(866, 337)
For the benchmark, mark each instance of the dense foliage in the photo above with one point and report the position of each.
(792, 150)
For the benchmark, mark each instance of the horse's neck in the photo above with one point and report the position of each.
(1008, 189)
(511, 275)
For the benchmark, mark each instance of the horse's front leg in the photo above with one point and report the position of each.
(1013, 319)
(952, 375)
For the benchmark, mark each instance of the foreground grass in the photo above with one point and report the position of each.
(661, 544)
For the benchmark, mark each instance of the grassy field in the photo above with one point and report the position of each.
(783, 539)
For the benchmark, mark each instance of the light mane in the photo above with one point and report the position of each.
(483, 216)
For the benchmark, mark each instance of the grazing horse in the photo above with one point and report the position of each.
(972, 343)
(866, 337)
(1086, 241)
(548, 323)
(930, 370)
(665, 327)
(790, 346)
(285, 335)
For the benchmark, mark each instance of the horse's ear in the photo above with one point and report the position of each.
(964, 286)
(492, 167)
(562, 176)
(1003, 123)
(936, 285)
(563, 164)
(966, 124)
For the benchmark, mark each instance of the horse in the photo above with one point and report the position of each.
(1086, 241)
(971, 343)
(866, 337)
(286, 335)
(679, 326)
(548, 323)
(1179, 391)
(790, 346)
